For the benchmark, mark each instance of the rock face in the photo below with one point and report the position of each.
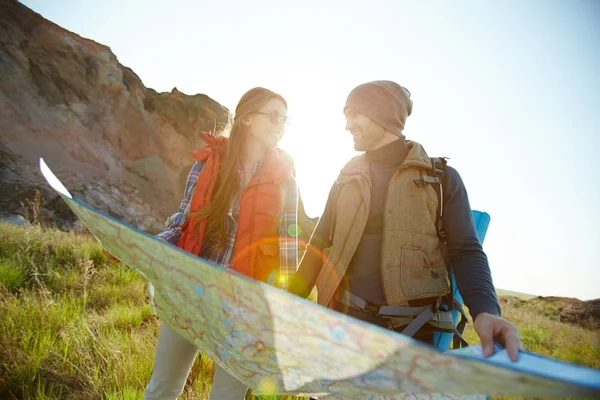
(584, 313)
(114, 143)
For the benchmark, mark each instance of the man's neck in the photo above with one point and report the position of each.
(392, 154)
(387, 139)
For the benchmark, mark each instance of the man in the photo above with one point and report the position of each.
(377, 251)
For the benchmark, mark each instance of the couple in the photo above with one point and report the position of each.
(376, 244)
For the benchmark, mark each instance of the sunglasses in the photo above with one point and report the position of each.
(275, 117)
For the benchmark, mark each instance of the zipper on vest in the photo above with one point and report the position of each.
(332, 223)
(385, 218)
(381, 258)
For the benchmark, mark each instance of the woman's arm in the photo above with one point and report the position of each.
(176, 221)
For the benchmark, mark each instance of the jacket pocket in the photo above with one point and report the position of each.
(267, 263)
(418, 278)
(269, 249)
(269, 200)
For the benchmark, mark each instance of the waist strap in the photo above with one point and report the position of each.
(413, 317)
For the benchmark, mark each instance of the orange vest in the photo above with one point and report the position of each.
(256, 252)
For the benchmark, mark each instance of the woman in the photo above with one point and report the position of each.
(247, 182)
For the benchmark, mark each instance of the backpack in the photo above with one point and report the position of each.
(450, 302)
(453, 301)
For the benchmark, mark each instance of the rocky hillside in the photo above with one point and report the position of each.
(585, 314)
(115, 144)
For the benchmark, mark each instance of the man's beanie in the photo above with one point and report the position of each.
(385, 102)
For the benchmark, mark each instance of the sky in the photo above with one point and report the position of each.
(509, 90)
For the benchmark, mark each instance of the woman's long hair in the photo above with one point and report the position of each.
(227, 184)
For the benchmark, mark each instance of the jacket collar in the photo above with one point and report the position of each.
(359, 165)
(215, 145)
(276, 167)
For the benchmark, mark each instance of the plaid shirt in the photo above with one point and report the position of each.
(288, 227)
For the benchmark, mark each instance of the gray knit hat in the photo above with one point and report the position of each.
(385, 102)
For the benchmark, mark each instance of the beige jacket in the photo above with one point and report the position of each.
(412, 265)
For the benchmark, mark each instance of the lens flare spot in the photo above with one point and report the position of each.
(268, 387)
(294, 230)
(282, 280)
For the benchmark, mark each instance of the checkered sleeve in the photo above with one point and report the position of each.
(176, 221)
(288, 234)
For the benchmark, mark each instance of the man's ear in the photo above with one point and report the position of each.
(246, 121)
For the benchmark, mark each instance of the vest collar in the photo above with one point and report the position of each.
(359, 165)
(276, 166)
(417, 157)
(275, 169)
(214, 145)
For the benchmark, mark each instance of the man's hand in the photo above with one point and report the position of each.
(492, 328)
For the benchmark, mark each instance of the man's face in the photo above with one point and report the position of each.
(367, 134)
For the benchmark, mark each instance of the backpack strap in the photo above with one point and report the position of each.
(438, 167)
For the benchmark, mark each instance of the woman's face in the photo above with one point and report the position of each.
(267, 125)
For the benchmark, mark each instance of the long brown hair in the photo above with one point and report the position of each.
(228, 179)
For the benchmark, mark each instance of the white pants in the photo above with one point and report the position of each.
(172, 364)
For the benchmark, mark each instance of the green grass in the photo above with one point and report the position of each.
(550, 338)
(74, 325)
(522, 296)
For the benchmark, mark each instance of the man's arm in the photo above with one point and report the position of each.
(472, 271)
(469, 262)
(305, 278)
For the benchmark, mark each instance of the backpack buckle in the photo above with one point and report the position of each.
(438, 166)
(420, 183)
(428, 180)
